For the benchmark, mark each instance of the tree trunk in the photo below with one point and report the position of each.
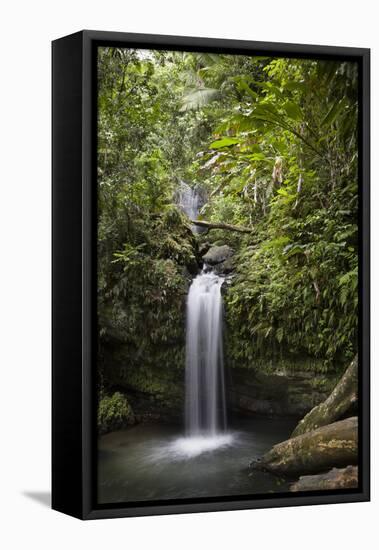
(338, 478)
(340, 401)
(335, 445)
(219, 225)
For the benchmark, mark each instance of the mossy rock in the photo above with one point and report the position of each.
(331, 446)
(114, 413)
(337, 478)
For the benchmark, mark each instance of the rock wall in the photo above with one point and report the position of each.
(154, 387)
(279, 393)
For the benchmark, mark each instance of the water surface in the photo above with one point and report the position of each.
(156, 462)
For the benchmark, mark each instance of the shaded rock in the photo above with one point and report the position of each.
(151, 385)
(192, 267)
(334, 445)
(225, 267)
(342, 400)
(283, 392)
(204, 247)
(218, 254)
(337, 478)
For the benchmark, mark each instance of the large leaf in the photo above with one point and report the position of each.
(333, 112)
(243, 86)
(293, 111)
(258, 156)
(207, 59)
(291, 86)
(197, 98)
(266, 109)
(224, 142)
(292, 249)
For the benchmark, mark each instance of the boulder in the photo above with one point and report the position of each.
(337, 478)
(334, 445)
(218, 254)
(204, 247)
(225, 268)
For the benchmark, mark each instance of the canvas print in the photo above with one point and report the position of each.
(227, 275)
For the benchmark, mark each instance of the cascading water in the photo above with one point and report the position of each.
(189, 200)
(205, 389)
(205, 407)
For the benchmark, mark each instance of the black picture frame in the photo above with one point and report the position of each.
(74, 273)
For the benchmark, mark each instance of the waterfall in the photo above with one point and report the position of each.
(205, 411)
(189, 200)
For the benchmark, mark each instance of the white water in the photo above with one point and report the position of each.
(189, 447)
(189, 201)
(205, 412)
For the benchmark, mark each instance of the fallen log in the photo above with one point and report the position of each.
(220, 225)
(338, 478)
(340, 401)
(334, 445)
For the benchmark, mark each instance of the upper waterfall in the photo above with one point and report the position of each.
(190, 200)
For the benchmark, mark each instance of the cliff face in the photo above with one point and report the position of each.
(281, 392)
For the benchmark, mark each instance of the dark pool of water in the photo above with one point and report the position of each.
(155, 462)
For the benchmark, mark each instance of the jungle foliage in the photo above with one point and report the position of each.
(273, 142)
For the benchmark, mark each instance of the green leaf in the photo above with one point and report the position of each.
(243, 86)
(333, 112)
(257, 156)
(293, 111)
(291, 86)
(292, 249)
(224, 142)
(266, 110)
(279, 334)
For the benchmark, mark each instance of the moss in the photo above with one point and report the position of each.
(142, 315)
(240, 354)
(114, 413)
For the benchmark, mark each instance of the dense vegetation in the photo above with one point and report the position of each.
(273, 144)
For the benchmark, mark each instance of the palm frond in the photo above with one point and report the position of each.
(197, 98)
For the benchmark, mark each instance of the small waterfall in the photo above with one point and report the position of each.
(205, 411)
(188, 199)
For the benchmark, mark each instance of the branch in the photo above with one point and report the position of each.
(219, 225)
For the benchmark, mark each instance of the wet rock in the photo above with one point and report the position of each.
(204, 247)
(337, 478)
(225, 267)
(279, 393)
(218, 254)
